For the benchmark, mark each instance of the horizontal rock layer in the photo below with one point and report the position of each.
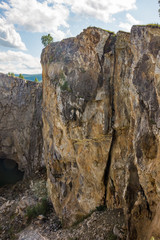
(21, 123)
(101, 117)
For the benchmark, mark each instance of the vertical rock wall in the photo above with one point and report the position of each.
(21, 122)
(101, 125)
(135, 156)
(77, 122)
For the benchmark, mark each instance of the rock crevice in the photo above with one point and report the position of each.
(101, 124)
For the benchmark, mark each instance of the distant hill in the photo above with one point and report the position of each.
(31, 77)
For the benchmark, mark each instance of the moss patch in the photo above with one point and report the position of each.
(40, 208)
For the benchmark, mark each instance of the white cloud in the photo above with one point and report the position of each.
(49, 15)
(9, 37)
(19, 62)
(102, 10)
(131, 19)
(35, 16)
(4, 5)
(130, 22)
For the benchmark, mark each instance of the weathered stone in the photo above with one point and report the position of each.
(21, 122)
(30, 234)
(101, 97)
(77, 124)
(134, 160)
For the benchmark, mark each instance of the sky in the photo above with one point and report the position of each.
(24, 22)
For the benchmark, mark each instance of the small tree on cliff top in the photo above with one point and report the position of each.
(36, 80)
(21, 76)
(11, 74)
(46, 39)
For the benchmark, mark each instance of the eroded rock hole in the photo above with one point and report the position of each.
(9, 172)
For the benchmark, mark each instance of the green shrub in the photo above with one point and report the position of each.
(40, 208)
(21, 76)
(153, 25)
(36, 80)
(11, 233)
(65, 86)
(46, 39)
(11, 74)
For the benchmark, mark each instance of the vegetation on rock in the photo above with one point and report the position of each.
(46, 39)
(36, 80)
(11, 74)
(21, 76)
(41, 208)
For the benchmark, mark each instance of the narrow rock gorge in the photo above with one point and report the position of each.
(101, 123)
(95, 122)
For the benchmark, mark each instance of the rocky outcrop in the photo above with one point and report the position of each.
(21, 123)
(134, 170)
(77, 123)
(101, 125)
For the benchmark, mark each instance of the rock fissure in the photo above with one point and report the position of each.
(107, 49)
(103, 129)
(107, 170)
(149, 215)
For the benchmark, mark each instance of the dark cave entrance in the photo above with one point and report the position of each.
(9, 172)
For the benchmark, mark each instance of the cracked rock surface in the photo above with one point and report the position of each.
(21, 122)
(101, 119)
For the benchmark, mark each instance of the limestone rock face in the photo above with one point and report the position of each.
(101, 116)
(21, 122)
(77, 124)
(134, 171)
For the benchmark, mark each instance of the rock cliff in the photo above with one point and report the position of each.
(101, 116)
(21, 123)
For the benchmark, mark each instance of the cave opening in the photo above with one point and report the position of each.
(9, 172)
